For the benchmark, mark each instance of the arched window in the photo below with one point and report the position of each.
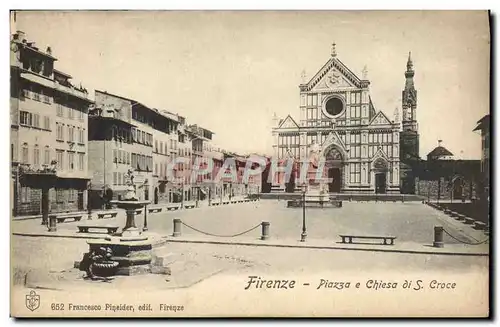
(46, 155)
(25, 154)
(36, 155)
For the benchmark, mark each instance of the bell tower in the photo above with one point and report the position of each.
(409, 135)
(409, 99)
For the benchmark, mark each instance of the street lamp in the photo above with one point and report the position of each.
(89, 204)
(303, 236)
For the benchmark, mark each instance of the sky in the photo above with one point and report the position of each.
(231, 71)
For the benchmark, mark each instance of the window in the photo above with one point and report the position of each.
(25, 118)
(36, 96)
(161, 147)
(115, 178)
(134, 161)
(25, 194)
(36, 156)
(81, 135)
(46, 156)
(355, 173)
(59, 110)
(60, 132)
(59, 195)
(45, 97)
(80, 115)
(27, 93)
(71, 195)
(71, 133)
(36, 120)
(25, 155)
(59, 158)
(46, 122)
(71, 160)
(70, 112)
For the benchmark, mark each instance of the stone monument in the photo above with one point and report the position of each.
(130, 249)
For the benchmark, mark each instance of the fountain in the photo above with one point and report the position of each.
(128, 253)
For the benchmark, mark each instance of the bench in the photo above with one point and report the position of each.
(155, 209)
(388, 240)
(173, 207)
(453, 214)
(189, 206)
(85, 228)
(479, 225)
(469, 221)
(107, 214)
(460, 217)
(61, 219)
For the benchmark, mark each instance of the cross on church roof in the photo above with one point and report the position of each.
(303, 76)
(334, 50)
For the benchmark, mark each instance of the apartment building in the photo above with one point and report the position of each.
(48, 129)
(125, 135)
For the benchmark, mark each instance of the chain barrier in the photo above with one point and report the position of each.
(216, 235)
(468, 243)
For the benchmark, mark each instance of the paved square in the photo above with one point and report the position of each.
(409, 222)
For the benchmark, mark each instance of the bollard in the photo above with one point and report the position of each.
(52, 223)
(438, 237)
(265, 230)
(177, 227)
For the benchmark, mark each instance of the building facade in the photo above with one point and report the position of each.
(125, 134)
(338, 119)
(49, 118)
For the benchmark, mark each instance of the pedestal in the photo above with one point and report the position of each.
(133, 255)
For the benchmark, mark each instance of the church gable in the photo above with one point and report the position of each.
(334, 74)
(333, 79)
(380, 154)
(288, 123)
(334, 138)
(380, 119)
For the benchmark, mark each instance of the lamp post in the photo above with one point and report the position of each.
(89, 204)
(303, 236)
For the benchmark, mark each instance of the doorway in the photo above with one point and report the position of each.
(156, 196)
(80, 200)
(334, 175)
(457, 189)
(380, 183)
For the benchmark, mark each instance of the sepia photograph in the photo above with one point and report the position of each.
(185, 164)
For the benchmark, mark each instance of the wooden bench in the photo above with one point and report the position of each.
(107, 214)
(189, 206)
(469, 221)
(460, 217)
(61, 219)
(155, 209)
(388, 240)
(138, 211)
(85, 228)
(479, 225)
(173, 207)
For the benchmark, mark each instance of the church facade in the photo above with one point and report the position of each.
(360, 145)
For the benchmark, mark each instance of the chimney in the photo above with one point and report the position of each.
(15, 37)
(49, 50)
(439, 142)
